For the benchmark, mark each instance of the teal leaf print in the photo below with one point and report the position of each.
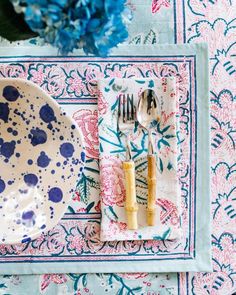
(107, 89)
(151, 84)
(84, 187)
(169, 136)
(111, 82)
(110, 213)
(140, 81)
(163, 237)
(161, 165)
(100, 120)
(164, 129)
(164, 142)
(114, 106)
(89, 207)
(150, 38)
(84, 281)
(3, 286)
(169, 166)
(136, 40)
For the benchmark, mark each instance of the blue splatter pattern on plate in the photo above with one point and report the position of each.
(41, 157)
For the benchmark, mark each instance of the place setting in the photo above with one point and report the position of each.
(117, 147)
(127, 202)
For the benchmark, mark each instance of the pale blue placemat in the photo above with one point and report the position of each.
(168, 59)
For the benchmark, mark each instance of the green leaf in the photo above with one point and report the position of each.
(71, 210)
(83, 189)
(169, 136)
(150, 38)
(113, 212)
(136, 40)
(89, 207)
(140, 81)
(162, 141)
(163, 237)
(165, 129)
(165, 142)
(169, 166)
(161, 164)
(2, 286)
(111, 82)
(115, 105)
(84, 281)
(12, 25)
(110, 213)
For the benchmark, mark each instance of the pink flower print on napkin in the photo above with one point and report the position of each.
(112, 182)
(88, 123)
(102, 104)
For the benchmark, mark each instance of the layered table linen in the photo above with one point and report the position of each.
(74, 245)
(112, 150)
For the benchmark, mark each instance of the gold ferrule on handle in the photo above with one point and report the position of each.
(131, 206)
(152, 184)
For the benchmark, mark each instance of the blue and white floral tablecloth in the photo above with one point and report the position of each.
(157, 21)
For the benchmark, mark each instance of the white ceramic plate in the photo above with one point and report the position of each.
(41, 160)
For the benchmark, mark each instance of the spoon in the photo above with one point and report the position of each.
(147, 116)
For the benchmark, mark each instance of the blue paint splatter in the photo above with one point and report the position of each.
(26, 240)
(31, 179)
(28, 218)
(55, 195)
(37, 136)
(2, 186)
(83, 156)
(43, 160)
(67, 150)
(7, 148)
(10, 93)
(4, 112)
(28, 214)
(47, 114)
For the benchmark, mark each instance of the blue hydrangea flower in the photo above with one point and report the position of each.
(94, 25)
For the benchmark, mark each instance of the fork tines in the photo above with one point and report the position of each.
(126, 106)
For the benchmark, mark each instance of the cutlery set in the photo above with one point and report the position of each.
(148, 115)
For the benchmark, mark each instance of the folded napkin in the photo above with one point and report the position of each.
(113, 151)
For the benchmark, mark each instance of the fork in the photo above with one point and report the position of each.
(126, 120)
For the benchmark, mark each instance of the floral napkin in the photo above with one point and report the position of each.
(112, 146)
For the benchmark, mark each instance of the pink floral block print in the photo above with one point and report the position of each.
(87, 120)
(158, 4)
(77, 237)
(112, 153)
(112, 182)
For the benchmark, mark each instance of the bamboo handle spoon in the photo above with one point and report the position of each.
(147, 116)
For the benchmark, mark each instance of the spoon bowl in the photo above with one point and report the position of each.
(148, 113)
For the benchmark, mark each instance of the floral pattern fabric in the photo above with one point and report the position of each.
(112, 153)
(76, 237)
(182, 21)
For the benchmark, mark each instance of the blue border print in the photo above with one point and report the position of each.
(175, 4)
(129, 59)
